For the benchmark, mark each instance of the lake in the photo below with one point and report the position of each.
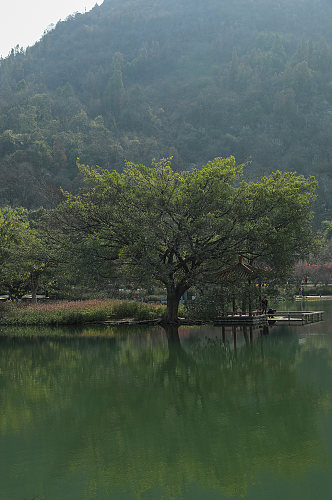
(141, 413)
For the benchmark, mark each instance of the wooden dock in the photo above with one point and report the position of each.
(297, 317)
(279, 317)
(241, 319)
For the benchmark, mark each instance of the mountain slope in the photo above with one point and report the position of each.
(133, 80)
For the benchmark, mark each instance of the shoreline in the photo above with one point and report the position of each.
(312, 297)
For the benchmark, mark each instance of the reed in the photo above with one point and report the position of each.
(77, 312)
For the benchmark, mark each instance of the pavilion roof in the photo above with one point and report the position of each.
(241, 270)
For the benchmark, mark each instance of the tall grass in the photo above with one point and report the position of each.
(77, 312)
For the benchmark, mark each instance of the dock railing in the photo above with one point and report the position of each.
(303, 316)
(290, 317)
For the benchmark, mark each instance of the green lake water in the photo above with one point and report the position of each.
(104, 413)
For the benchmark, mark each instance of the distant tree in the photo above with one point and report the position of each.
(320, 273)
(300, 273)
(114, 95)
(279, 212)
(29, 258)
(328, 230)
(14, 237)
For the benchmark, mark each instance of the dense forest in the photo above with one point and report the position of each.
(193, 79)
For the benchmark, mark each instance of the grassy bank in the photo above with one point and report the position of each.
(77, 312)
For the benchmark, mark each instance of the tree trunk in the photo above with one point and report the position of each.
(34, 295)
(34, 288)
(245, 334)
(249, 298)
(171, 313)
(172, 332)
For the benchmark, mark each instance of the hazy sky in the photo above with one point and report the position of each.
(22, 22)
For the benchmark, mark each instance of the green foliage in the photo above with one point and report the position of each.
(32, 258)
(16, 241)
(206, 306)
(279, 208)
(135, 310)
(328, 230)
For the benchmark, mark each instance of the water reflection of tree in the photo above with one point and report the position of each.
(163, 415)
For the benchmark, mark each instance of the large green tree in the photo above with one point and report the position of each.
(178, 228)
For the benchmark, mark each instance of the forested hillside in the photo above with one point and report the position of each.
(195, 79)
